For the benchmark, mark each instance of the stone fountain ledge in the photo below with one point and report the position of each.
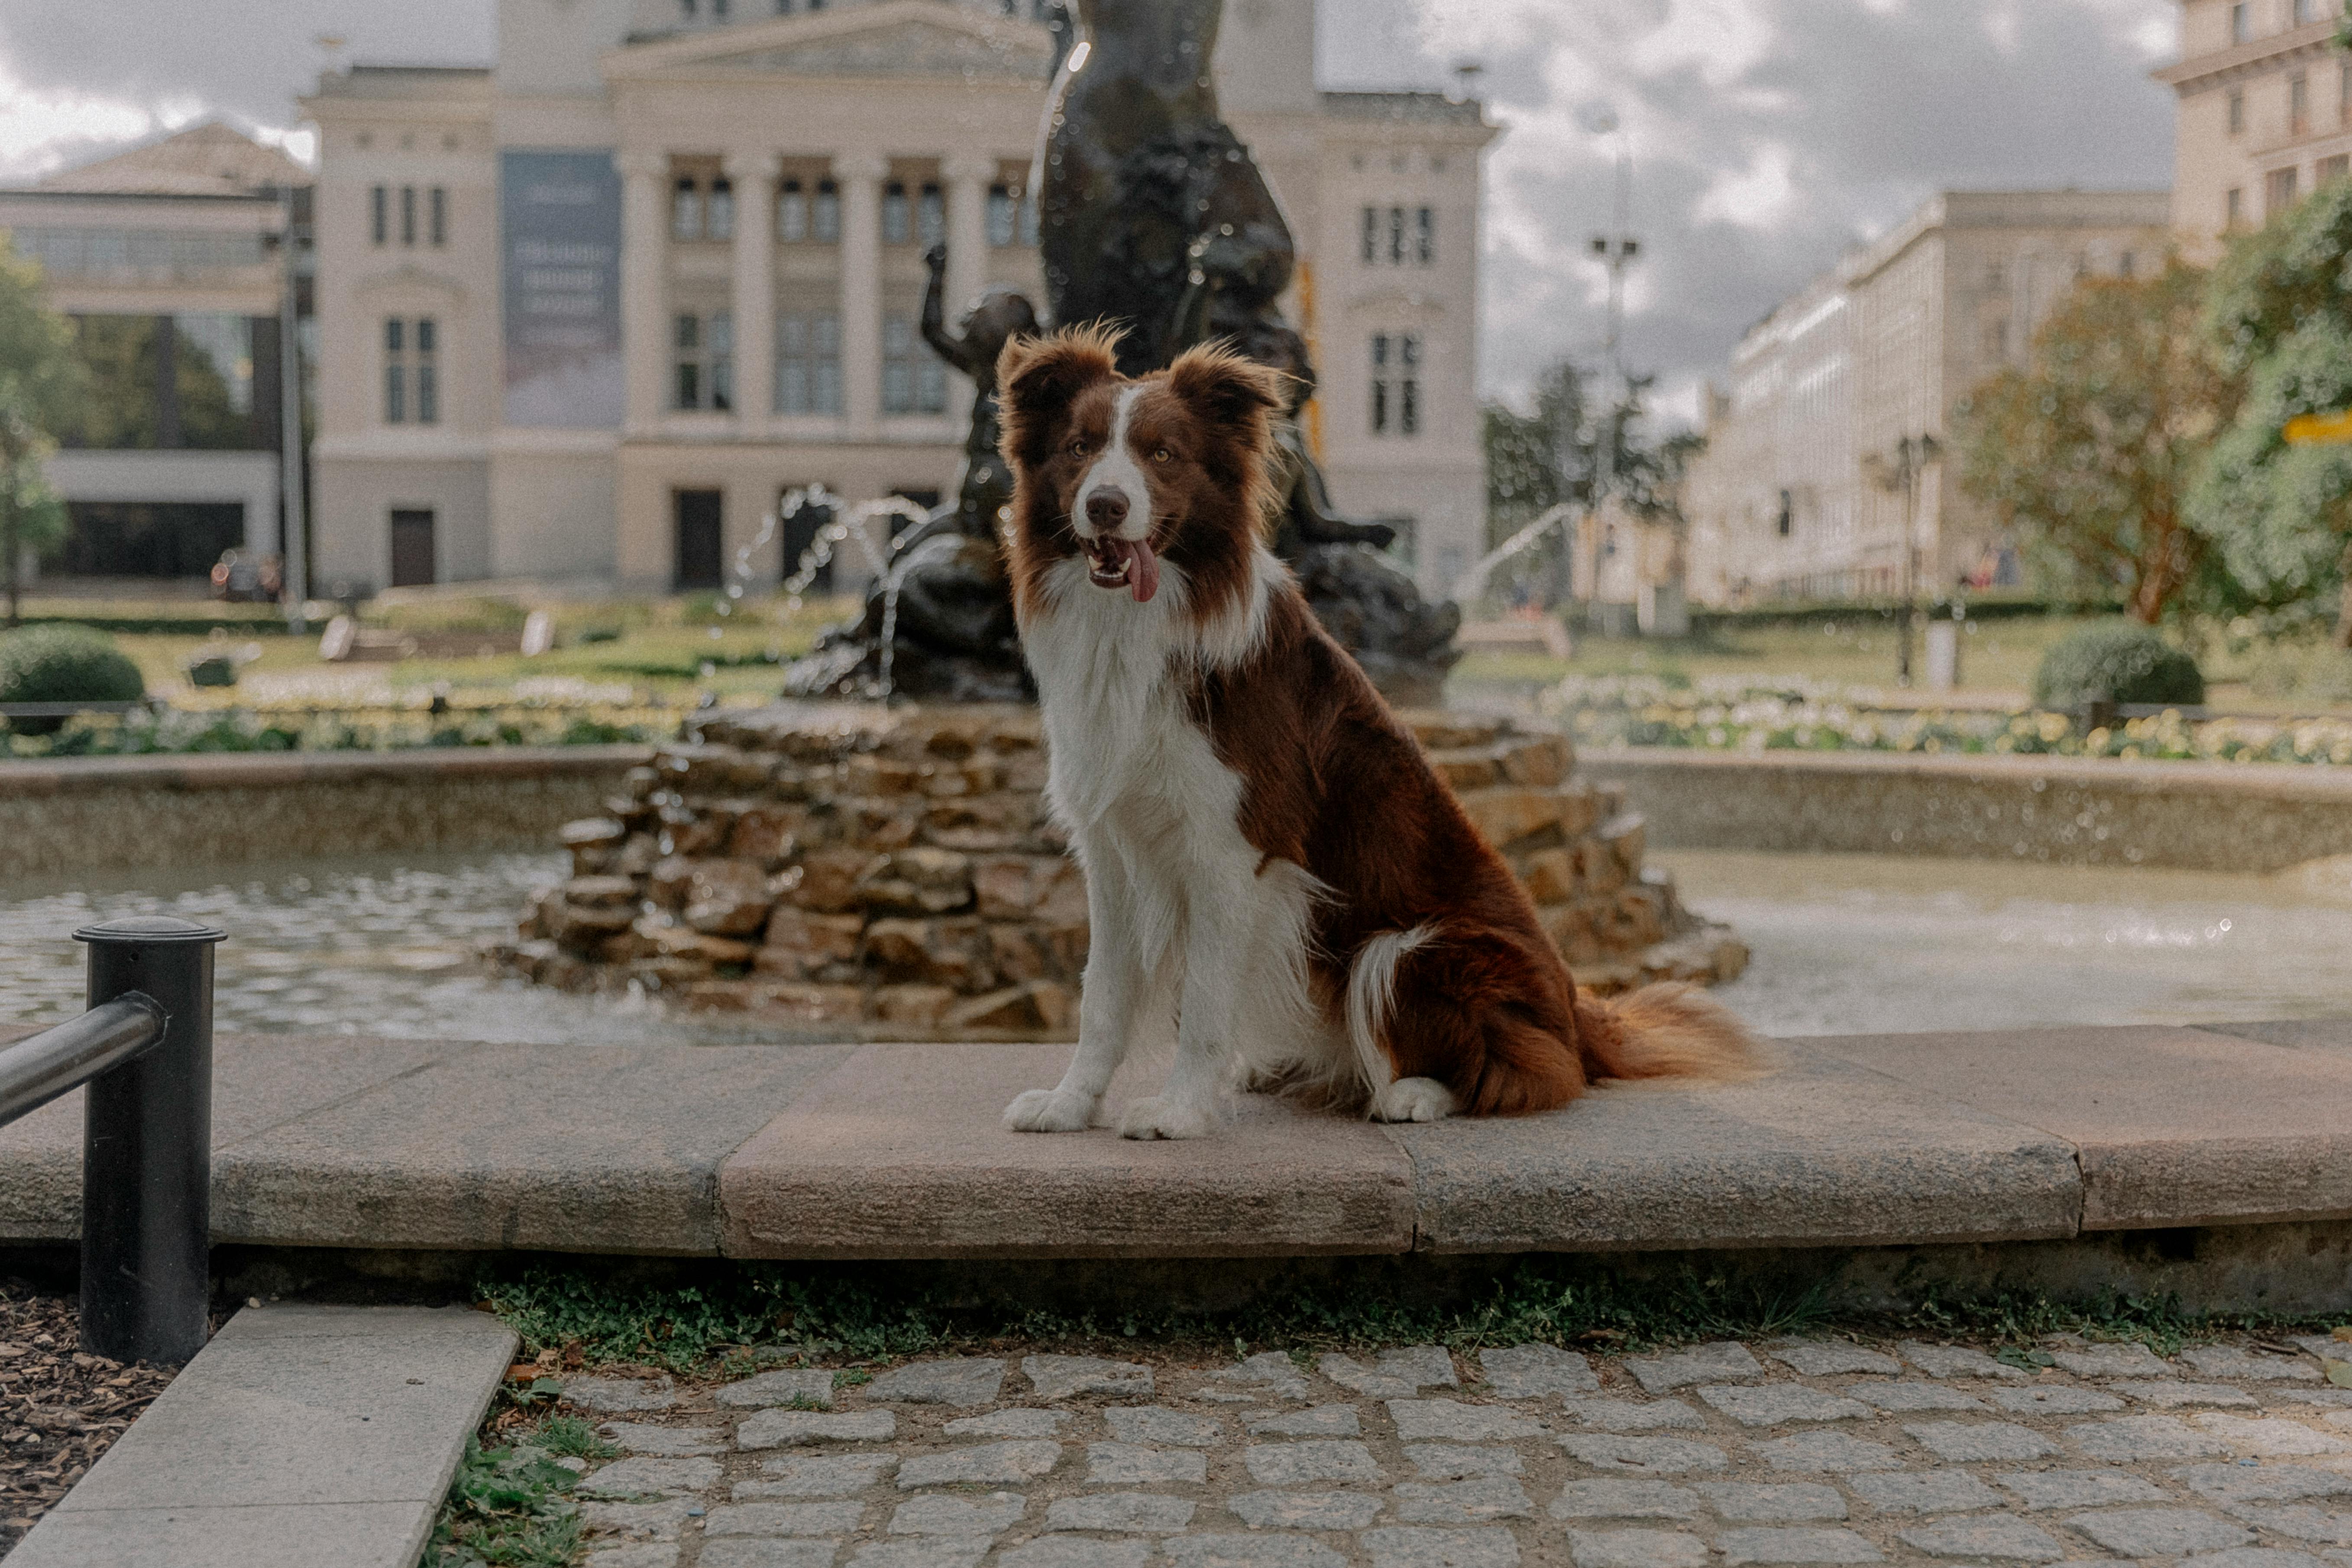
(894, 874)
(69, 814)
(2087, 1140)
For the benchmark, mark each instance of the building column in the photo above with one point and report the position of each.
(968, 179)
(645, 263)
(860, 177)
(753, 176)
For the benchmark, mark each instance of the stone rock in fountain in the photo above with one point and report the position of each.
(851, 870)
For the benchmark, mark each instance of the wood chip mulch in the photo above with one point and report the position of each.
(59, 1409)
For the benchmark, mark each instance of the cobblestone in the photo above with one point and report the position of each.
(1968, 1442)
(1784, 1503)
(2215, 1461)
(1999, 1537)
(1725, 1360)
(1393, 1375)
(1448, 1419)
(1739, 1546)
(2160, 1532)
(1532, 1371)
(1635, 1549)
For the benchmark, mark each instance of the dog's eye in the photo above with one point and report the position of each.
(1161, 455)
(1077, 449)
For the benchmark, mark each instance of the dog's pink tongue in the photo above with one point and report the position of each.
(1144, 571)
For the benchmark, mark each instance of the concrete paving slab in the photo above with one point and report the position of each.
(298, 1435)
(2173, 1127)
(260, 1081)
(900, 1152)
(566, 1148)
(1822, 1153)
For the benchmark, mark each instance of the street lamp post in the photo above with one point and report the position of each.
(1616, 251)
(1901, 473)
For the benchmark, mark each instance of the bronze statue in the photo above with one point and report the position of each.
(954, 637)
(1153, 217)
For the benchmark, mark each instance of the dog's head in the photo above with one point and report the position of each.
(1131, 474)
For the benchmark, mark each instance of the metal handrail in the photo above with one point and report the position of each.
(145, 1050)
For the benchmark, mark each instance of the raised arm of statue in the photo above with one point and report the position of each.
(935, 314)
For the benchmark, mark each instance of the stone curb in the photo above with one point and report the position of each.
(896, 1151)
(299, 1437)
(2220, 816)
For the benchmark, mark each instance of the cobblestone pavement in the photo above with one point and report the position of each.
(1810, 1451)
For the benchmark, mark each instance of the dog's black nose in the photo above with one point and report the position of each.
(1107, 508)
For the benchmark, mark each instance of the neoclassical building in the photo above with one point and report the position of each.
(1792, 498)
(589, 314)
(2264, 113)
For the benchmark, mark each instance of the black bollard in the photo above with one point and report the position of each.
(146, 1180)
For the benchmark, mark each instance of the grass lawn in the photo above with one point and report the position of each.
(657, 647)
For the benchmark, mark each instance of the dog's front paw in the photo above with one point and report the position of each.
(1049, 1110)
(1414, 1100)
(1161, 1116)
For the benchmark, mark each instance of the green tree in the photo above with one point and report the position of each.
(40, 392)
(2088, 453)
(2280, 312)
(1554, 453)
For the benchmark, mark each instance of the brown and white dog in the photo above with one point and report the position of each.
(1271, 864)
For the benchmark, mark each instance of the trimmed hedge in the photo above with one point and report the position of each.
(64, 664)
(2117, 663)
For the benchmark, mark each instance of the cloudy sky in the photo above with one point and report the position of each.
(1767, 135)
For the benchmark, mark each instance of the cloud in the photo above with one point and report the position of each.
(1767, 135)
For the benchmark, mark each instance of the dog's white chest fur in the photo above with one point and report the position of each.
(1181, 904)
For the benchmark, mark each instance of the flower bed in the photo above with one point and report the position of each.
(1747, 715)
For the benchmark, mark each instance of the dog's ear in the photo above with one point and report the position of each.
(1223, 389)
(1041, 377)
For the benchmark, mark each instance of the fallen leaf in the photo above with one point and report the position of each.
(2339, 1372)
(522, 1371)
(2342, 1331)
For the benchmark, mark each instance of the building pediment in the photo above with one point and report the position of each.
(898, 38)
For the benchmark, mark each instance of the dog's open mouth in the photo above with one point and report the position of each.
(1123, 563)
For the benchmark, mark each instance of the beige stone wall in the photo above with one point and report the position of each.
(2264, 151)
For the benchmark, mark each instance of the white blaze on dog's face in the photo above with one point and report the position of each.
(1113, 512)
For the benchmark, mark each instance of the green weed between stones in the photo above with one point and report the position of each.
(509, 1507)
(713, 1319)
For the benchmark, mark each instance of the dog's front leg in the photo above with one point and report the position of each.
(1219, 925)
(1113, 994)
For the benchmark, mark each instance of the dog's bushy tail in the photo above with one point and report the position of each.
(1665, 1031)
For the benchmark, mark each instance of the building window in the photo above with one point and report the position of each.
(931, 217)
(825, 214)
(686, 211)
(408, 215)
(896, 225)
(721, 224)
(2241, 22)
(1396, 384)
(706, 361)
(1372, 235)
(1004, 216)
(2233, 207)
(379, 213)
(1785, 522)
(2298, 104)
(2330, 169)
(914, 381)
(792, 213)
(1396, 236)
(808, 363)
(2237, 112)
(396, 372)
(2278, 192)
(1425, 248)
(437, 215)
(412, 382)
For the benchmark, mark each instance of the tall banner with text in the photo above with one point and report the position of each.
(559, 222)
